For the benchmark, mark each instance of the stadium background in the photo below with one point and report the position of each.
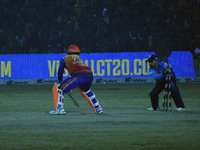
(33, 37)
(103, 65)
(36, 27)
(98, 26)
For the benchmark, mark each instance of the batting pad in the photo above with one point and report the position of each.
(88, 100)
(55, 95)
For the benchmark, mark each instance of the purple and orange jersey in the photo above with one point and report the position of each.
(73, 64)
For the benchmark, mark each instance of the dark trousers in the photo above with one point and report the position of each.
(174, 91)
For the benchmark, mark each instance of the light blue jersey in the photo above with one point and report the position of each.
(158, 73)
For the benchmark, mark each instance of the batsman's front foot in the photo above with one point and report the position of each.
(180, 109)
(57, 112)
(98, 109)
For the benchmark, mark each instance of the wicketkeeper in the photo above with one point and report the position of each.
(158, 71)
(80, 76)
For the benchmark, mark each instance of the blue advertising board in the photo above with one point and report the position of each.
(103, 65)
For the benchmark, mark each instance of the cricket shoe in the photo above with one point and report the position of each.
(57, 112)
(151, 109)
(180, 109)
(98, 109)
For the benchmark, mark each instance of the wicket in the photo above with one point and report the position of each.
(167, 102)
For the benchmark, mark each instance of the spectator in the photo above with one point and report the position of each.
(195, 50)
(91, 24)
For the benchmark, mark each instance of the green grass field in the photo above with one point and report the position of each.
(125, 125)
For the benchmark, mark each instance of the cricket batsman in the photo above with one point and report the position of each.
(158, 71)
(80, 76)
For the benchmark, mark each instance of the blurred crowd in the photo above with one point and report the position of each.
(37, 26)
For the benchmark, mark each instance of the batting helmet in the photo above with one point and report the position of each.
(73, 49)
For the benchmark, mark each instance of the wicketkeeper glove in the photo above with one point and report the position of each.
(167, 70)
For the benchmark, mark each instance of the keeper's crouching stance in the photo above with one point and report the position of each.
(157, 70)
(80, 76)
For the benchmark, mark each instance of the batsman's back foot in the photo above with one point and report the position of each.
(57, 112)
(98, 109)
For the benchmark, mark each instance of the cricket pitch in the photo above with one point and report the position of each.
(125, 125)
